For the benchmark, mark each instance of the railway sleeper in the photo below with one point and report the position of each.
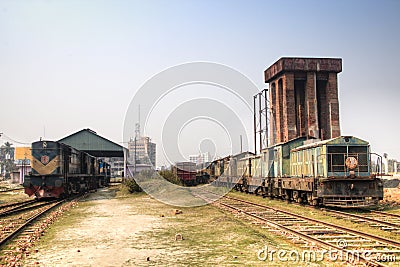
(284, 219)
(352, 241)
(386, 228)
(319, 228)
(335, 236)
(296, 240)
(315, 232)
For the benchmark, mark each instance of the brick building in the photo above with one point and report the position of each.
(304, 98)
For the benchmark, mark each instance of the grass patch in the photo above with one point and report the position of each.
(13, 196)
(212, 237)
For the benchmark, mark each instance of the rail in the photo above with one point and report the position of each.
(326, 235)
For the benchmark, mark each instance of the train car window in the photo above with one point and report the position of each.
(286, 152)
(320, 164)
(336, 158)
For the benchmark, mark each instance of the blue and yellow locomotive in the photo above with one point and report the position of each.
(60, 170)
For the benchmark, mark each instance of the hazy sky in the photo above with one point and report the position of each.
(68, 65)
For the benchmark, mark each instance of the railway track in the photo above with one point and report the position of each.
(377, 219)
(27, 206)
(22, 226)
(15, 205)
(15, 222)
(384, 221)
(355, 247)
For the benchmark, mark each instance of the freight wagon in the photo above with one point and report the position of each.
(186, 172)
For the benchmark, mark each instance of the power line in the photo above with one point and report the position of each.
(15, 141)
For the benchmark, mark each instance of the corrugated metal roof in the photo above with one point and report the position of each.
(89, 141)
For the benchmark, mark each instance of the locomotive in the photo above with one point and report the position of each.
(335, 173)
(59, 170)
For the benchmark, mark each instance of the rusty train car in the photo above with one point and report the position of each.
(186, 172)
(335, 173)
(59, 170)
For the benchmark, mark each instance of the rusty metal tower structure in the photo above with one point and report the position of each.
(261, 113)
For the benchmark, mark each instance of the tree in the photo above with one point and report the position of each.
(170, 176)
(7, 159)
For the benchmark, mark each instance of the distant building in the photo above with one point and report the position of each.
(22, 160)
(142, 150)
(23, 153)
(200, 158)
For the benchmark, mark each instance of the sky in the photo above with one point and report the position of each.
(69, 65)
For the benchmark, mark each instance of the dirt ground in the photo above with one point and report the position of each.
(104, 237)
(109, 229)
(136, 230)
(113, 229)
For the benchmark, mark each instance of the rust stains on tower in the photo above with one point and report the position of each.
(304, 98)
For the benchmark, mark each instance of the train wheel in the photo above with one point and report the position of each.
(310, 199)
(246, 188)
(297, 196)
(284, 195)
(69, 189)
(314, 202)
(272, 194)
(290, 195)
(263, 192)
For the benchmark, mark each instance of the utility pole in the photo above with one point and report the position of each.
(241, 144)
(262, 111)
(24, 168)
(255, 123)
(134, 160)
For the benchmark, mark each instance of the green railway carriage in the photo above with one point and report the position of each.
(335, 172)
(234, 168)
(328, 158)
(338, 171)
(280, 155)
